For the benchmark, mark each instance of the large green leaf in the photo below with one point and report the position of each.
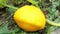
(4, 29)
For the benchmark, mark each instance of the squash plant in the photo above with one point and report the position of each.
(52, 19)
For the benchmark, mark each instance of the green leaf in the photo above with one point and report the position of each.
(4, 29)
(2, 2)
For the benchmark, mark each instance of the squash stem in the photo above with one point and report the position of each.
(53, 23)
(11, 6)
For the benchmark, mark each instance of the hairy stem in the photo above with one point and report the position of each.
(52, 23)
(11, 6)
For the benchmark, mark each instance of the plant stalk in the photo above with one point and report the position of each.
(53, 23)
(11, 6)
